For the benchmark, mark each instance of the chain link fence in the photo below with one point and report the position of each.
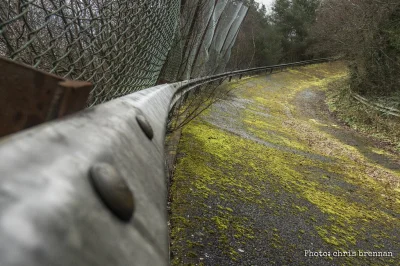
(118, 45)
(208, 30)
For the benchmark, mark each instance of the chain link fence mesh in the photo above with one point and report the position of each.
(208, 30)
(121, 46)
(118, 45)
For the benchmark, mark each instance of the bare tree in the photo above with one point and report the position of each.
(366, 32)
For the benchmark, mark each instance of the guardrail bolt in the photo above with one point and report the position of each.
(145, 126)
(113, 190)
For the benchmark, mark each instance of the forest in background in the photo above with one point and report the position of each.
(365, 33)
(124, 46)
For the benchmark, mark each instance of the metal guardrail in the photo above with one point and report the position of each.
(376, 106)
(90, 188)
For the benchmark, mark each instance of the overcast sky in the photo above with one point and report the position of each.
(267, 3)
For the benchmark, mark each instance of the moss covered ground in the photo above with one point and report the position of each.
(268, 175)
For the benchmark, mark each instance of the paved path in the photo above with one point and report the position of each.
(269, 177)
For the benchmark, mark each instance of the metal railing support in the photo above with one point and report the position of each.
(29, 97)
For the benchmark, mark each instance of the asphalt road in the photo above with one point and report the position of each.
(270, 177)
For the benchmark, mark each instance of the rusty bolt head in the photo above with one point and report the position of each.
(113, 190)
(145, 126)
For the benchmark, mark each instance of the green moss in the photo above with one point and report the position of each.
(301, 208)
(192, 254)
(274, 246)
(221, 223)
(221, 171)
(233, 253)
(192, 244)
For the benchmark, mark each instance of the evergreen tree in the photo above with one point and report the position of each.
(293, 20)
(258, 42)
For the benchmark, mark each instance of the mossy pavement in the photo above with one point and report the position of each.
(268, 174)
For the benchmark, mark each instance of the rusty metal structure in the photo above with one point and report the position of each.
(90, 188)
(29, 97)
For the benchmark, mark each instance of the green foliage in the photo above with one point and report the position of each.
(258, 42)
(293, 20)
(281, 36)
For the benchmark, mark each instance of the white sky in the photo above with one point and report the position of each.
(267, 3)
